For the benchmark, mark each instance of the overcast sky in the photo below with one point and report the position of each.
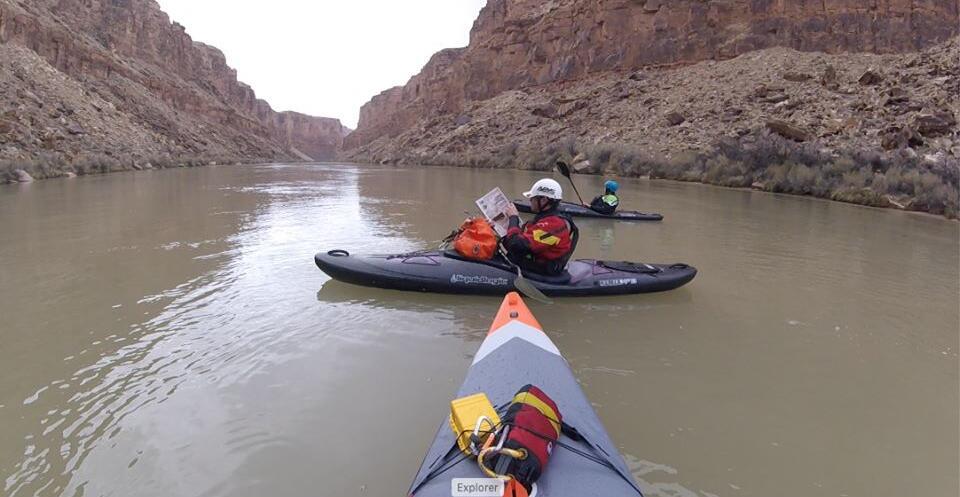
(326, 57)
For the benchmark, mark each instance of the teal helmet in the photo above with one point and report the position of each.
(612, 186)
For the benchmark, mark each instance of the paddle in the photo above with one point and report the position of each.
(565, 170)
(521, 284)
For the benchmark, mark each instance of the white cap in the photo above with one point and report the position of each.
(545, 188)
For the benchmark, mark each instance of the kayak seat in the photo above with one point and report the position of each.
(498, 262)
(560, 279)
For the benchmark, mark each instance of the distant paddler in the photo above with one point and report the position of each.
(609, 201)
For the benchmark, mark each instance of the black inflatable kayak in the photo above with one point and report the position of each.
(447, 272)
(578, 210)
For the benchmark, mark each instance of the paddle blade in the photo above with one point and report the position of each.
(565, 170)
(529, 290)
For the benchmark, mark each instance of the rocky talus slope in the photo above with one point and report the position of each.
(95, 85)
(862, 101)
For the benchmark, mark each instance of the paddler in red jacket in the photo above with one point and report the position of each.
(545, 244)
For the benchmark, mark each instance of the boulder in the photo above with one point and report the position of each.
(832, 126)
(731, 113)
(675, 118)
(546, 110)
(894, 137)
(870, 77)
(776, 98)
(938, 158)
(571, 107)
(894, 203)
(22, 176)
(763, 91)
(935, 123)
(581, 166)
(652, 6)
(894, 96)
(789, 130)
(796, 77)
(829, 78)
(75, 129)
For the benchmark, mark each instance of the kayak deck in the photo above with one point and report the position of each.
(515, 353)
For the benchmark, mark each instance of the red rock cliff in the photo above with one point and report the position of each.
(522, 43)
(96, 41)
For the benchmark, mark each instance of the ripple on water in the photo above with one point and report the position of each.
(220, 327)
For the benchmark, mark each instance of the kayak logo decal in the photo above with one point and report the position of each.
(617, 282)
(478, 280)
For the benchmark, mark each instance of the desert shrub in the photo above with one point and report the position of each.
(801, 179)
(879, 183)
(862, 177)
(871, 158)
(723, 171)
(162, 161)
(538, 159)
(599, 155)
(566, 148)
(677, 166)
(836, 168)
(7, 168)
(96, 164)
(638, 163)
(858, 178)
(861, 196)
(951, 204)
(504, 156)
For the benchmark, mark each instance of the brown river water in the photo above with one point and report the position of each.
(166, 333)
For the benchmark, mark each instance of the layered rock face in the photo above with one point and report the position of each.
(128, 81)
(896, 102)
(517, 44)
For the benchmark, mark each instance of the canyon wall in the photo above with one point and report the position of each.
(180, 95)
(517, 44)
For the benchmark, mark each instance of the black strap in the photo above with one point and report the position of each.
(571, 432)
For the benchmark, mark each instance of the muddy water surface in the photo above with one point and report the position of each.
(167, 334)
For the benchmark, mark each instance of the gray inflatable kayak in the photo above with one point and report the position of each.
(515, 353)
